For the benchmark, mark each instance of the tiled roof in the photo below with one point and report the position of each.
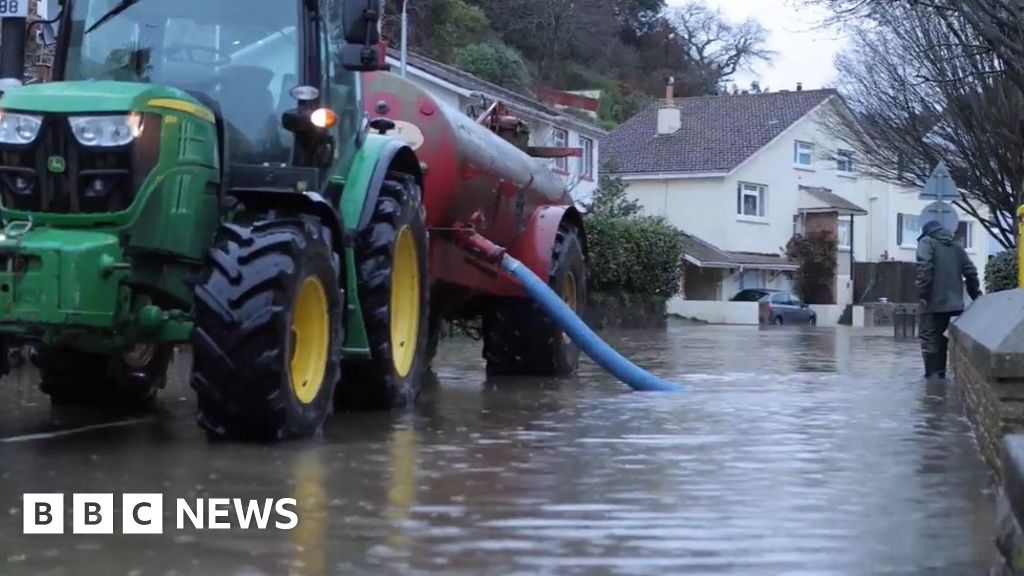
(710, 256)
(718, 132)
(832, 200)
(521, 103)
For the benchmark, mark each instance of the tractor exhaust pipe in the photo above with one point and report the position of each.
(12, 51)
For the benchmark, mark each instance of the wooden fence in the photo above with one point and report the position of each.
(894, 281)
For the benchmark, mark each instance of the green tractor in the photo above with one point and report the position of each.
(196, 173)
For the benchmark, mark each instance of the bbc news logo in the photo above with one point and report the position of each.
(144, 514)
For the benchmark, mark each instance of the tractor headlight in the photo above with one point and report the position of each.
(18, 128)
(106, 130)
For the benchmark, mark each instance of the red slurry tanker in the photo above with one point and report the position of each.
(474, 178)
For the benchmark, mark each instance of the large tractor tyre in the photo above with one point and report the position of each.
(268, 331)
(130, 377)
(519, 336)
(391, 264)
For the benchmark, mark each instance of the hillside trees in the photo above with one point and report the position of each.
(626, 48)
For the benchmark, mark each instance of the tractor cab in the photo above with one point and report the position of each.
(239, 59)
(251, 63)
(277, 78)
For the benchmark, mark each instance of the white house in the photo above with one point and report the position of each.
(740, 174)
(549, 125)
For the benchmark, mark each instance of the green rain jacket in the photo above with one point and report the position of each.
(943, 268)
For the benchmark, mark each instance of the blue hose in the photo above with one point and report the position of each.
(634, 376)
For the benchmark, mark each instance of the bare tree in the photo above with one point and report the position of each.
(919, 98)
(716, 47)
(997, 25)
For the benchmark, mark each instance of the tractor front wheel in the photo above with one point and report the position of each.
(128, 377)
(519, 336)
(268, 332)
(391, 263)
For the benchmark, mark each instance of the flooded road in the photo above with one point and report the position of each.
(798, 452)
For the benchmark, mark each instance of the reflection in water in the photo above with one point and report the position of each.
(310, 535)
(402, 491)
(792, 451)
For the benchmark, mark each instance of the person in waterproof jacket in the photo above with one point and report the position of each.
(942, 269)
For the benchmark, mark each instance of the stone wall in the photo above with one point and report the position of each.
(629, 311)
(982, 404)
(987, 359)
(1010, 506)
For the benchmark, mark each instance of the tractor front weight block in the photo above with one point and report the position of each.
(69, 285)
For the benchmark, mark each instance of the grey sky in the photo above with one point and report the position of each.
(805, 51)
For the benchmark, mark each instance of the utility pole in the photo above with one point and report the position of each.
(405, 35)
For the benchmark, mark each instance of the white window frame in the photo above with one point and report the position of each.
(903, 239)
(757, 191)
(587, 158)
(847, 157)
(968, 235)
(842, 225)
(560, 139)
(800, 148)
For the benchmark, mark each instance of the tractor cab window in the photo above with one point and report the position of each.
(242, 57)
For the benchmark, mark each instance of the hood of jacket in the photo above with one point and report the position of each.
(933, 229)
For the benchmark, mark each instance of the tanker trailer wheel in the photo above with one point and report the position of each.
(268, 331)
(520, 338)
(391, 264)
(129, 377)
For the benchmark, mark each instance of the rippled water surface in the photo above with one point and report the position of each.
(792, 451)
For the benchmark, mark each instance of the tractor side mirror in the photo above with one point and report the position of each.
(359, 19)
(363, 50)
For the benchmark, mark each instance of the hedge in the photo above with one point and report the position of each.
(1001, 272)
(636, 255)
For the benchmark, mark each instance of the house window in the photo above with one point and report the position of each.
(844, 162)
(965, 235)
(908, 228)
(751, 200)
(803, 154)
(560, 139)
(798, 225)
(587, 159)
(843, 234)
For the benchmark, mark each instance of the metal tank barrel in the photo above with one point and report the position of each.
(469, 167)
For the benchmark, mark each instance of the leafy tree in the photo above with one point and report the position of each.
(497, 63)
(817, 255)
(611, 200)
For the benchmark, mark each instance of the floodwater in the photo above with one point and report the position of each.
(792, 451)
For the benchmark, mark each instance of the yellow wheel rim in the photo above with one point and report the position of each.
(405, 302)
(310, 340)
(569, 296)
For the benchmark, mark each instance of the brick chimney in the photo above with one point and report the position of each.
(670, 118)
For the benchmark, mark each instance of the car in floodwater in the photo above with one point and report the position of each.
(778, 307)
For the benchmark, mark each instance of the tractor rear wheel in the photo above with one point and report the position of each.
(129, 377)
(268, 331)
(519, 336)
(391, 267)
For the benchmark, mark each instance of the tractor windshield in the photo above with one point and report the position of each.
(242, 55)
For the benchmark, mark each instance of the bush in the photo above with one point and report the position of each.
(1001, 272)
(817, 255)
(497, 63)
(637, 255)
